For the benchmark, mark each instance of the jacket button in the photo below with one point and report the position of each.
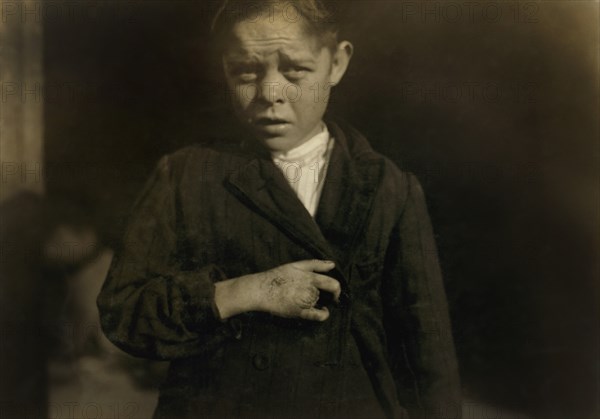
(260, 362)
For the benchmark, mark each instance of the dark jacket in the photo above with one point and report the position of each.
(216, 212)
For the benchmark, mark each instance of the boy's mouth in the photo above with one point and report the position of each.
(269, 121)
(270, 126)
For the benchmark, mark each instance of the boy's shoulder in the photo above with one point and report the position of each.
(361, 150)
(208, 150)
(205, 156)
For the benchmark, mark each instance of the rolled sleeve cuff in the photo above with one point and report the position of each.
(199, 288)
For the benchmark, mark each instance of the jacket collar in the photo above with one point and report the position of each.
(353, 175)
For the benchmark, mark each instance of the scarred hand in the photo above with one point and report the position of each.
(292, 290)
(289, 290)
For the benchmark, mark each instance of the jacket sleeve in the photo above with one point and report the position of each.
(418, 332)
(152, 305)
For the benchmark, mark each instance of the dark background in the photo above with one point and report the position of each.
(496, 114)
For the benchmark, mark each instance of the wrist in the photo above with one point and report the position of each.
(238, 295)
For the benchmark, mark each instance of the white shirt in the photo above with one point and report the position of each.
(305, 167)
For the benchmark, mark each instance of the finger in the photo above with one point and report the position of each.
(326, 283)
(310, 298)
(315, 314)
(314, 265)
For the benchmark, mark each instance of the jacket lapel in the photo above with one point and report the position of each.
(261, 185)
(351, 182)
(353, 175)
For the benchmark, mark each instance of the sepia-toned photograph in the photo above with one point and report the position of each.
(299, 209)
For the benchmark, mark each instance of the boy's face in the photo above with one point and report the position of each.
(280, 77)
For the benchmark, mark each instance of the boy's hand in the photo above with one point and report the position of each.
(292, 290)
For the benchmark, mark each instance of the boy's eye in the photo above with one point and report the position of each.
(245, 73)
(247, 76)
(295, 72)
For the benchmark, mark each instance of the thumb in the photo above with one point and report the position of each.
(314, 265)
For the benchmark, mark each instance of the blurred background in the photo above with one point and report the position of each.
(493, 104)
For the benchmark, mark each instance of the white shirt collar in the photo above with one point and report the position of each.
(307, 151)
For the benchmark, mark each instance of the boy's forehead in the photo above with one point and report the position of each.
(291, 50)
(266, 34)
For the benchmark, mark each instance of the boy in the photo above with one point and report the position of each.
(293, 274)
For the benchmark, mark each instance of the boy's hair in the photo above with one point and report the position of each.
(319, 16)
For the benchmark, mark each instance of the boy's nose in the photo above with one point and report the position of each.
(271, 88)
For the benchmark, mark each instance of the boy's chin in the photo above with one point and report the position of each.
(279, 143)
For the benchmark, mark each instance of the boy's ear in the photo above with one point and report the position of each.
(340, 60)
